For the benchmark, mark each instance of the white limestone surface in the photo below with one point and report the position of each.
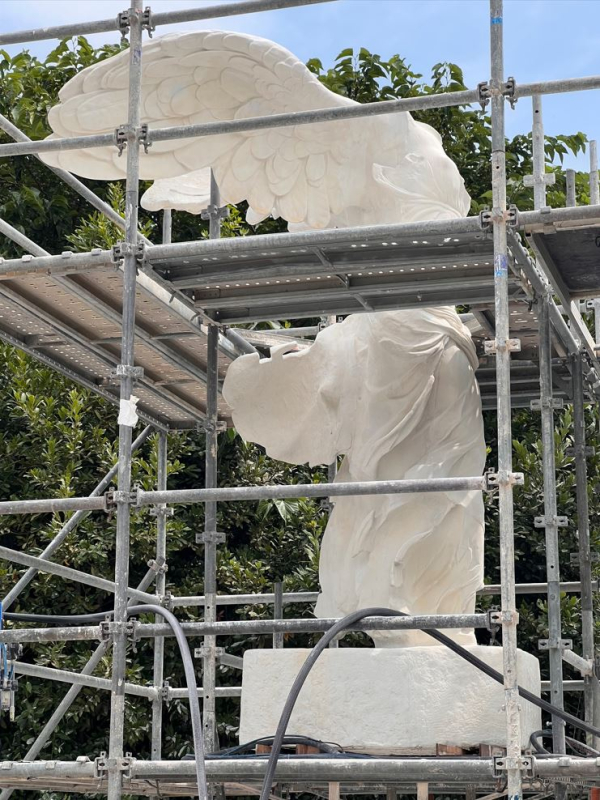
(372, 170)
(386, 700)
(395, 394)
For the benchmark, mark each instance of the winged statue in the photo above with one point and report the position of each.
(394, 393)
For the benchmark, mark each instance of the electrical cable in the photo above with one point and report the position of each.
(340, 626)
(186, 657)
(352, 619)
(190, 678)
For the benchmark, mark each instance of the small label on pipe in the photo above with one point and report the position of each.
(128, 412)
(501, 266)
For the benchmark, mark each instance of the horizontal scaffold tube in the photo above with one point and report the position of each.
(80, 679)
(53, 505)
(42, 565)
(251, 626)
(65, 676)
(366, 770)
(336, 113)
(287, 491)
(299, 769)
(527, 220)
(311, 597)
(227, 9)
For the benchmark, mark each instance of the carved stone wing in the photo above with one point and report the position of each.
(305, 173)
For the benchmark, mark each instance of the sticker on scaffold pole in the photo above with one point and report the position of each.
(501, 266)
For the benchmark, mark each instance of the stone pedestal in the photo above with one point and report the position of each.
(386, 700)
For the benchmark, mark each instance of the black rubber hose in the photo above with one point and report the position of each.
(349, 621)
(186, 658)
(338, 628)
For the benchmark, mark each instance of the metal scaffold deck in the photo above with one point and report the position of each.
(159, 321)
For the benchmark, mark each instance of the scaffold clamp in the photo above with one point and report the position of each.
(211, 537)
(206, 651)
(109, 629)
(510, 91)
(497, 618)
(495, 479)
(147, 23)
(493, 346)
(526, 764)
(546, 403)
(122, 249)
(555, 644)
(104, 765)
(483, 90)
(160, 567)
(161, 511)
(549, 521)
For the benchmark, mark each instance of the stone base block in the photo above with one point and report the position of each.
(386, 700)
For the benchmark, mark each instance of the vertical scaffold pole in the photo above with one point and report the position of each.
(507, 547)
(162, 512)
(594, 186)
(119, 662)
(539, 154)
(210, 509)
(550, 523)
(571, 189)
(591, 685)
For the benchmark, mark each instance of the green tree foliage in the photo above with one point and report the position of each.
(59, 440)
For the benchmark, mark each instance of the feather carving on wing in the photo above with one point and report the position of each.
(352, 172)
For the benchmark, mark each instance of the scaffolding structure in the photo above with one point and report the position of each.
(481, 261)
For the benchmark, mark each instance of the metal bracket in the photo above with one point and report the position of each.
(524, 763)
(548, 179)
(205, 651)
(555, 644)
(121, 138)
(109, 629)
(215, 212)
(510, 91)
(143, 137)
(208, 426)
(122, 249)
(147, 24)
(161, 511)
(166, 600)
(492, 346)
(483, 90)
(495, 479)
(115, 497)
(546, 403)
(512, 216)
(485, 219)
(123, 21)
(497, 618)
(163, 692)
(126, 371)
(104, 765)
(210, 537)
(159, 569)
(548, 522)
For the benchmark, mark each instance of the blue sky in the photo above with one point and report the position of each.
(545, 40)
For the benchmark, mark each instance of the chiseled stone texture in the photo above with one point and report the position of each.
(386, 700)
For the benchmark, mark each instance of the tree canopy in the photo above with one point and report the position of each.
(59, 439)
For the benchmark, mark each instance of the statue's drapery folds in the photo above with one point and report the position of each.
(395, 394)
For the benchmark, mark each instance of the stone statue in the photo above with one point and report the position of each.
(394, 392)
